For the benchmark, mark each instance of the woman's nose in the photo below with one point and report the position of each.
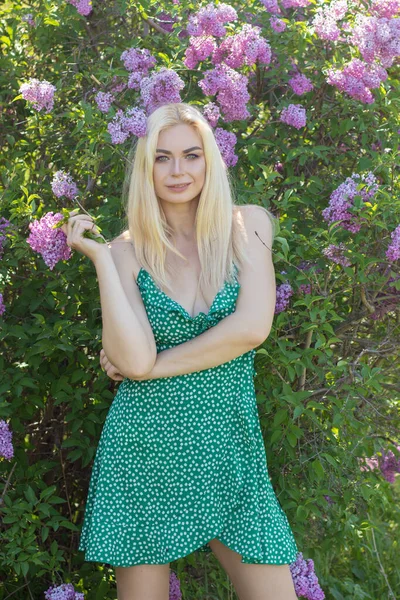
(176, 166)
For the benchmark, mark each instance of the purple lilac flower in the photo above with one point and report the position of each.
(226, 141)
(325, 19)
(209, 20)
(277, 24)
(294, 3)
(300, 84)
(357, 78)
(161, 87)
(200, 48)
(50, 243)
(40, 93)
(243, 48)
(166, 21)
(104, 101)
(174, 587)
(2, 305)
(393, 251)
(272, 6)
(305, 580)
(6, 447)
(387, 462)
(329, 500)
(63, 185)
(65, 591)
(335, 253)
(84, 7)
(138, 61)
(133, 121)
(29, 19)
(4, 223)
(384, 8)
(283, 293)
(231, 90)
(212, 113)
(295, 115)
(377, 39)
(342, 199)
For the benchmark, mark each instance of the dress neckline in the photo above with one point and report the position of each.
(177, 304)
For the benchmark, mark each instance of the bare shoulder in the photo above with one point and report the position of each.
(255, 221)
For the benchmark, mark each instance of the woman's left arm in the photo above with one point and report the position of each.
(249, 325)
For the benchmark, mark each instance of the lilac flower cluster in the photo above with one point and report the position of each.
(300, 84)
(378, 39)
(104, 101)
(210, 19)
(326, 17)
(387, 462)
(342, 199)
(329, 499)
(335, 253)
(138, 61)
(283, 293)
(393, 251)
(40, 93)
(84, 7)
(295, 115)
(226, 141)
(305, 580)
(6, 447)
(272, 6)
(63, 185)
(49, 242)
(4, 224)
(200, 48)
(166, 21)
(277, 24)
(212, 113)
(357, 79)
(174, 587)
(29, 19)
(231, 90)
(244, 48)
(384, 8)
(133, 121)
(162, 87)
(65, 591)
(295, 3)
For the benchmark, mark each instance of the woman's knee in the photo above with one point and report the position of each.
(143, 582)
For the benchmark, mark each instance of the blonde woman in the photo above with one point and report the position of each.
(187, 294)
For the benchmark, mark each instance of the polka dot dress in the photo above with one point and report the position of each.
(181, 460)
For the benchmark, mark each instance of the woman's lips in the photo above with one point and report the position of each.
(178, 189)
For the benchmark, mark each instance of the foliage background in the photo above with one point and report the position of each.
(327, 376)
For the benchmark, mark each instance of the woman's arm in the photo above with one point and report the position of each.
(251, 322)
(127, 337)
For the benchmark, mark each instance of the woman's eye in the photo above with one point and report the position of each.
(195, 155)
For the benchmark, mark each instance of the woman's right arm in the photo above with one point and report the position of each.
(127, 337)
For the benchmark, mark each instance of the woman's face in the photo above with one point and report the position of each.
(179, 159)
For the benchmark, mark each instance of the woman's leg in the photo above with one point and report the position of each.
(143, 582)
(254, 582)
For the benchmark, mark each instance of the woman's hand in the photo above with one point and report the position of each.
(74, 230)
(109, 368)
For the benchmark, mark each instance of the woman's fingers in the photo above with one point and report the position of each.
(109, 368)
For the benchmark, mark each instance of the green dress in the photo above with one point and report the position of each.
(181, 460)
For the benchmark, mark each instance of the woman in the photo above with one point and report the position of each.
(187, 294)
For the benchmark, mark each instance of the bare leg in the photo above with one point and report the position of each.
(143, 582)
(254, 582)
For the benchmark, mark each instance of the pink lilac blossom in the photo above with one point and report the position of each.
(104, 101)
(209, 20)
(84, 7)
(295, 3)
(243, 48)
(341, 200)
(305, 288)
(335, 253)
(6, 447)
(384, 8)
(231, 90)
(212, 113)
(166, 21)
(174, 587)
(300, 84)
(40, 93)
(49, 242)
(65, 591)
(133, 121)
(4, 224)
(200, 48)
(295, 115)
(325, 19)
(377, 39)
(2, 305)
(29, 19)
(387, 462)
(272, 6)
(139, 61)
(305, 580)
(63, 185)
(161, 87)
(277, 24)
(226, 141)
(356, 79)
(393, 251)
(283, 293)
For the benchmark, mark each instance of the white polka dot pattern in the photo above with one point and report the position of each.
(181, 460)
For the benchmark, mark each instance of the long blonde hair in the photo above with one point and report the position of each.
(219, 239)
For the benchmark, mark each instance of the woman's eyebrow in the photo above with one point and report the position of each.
(184, 151)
